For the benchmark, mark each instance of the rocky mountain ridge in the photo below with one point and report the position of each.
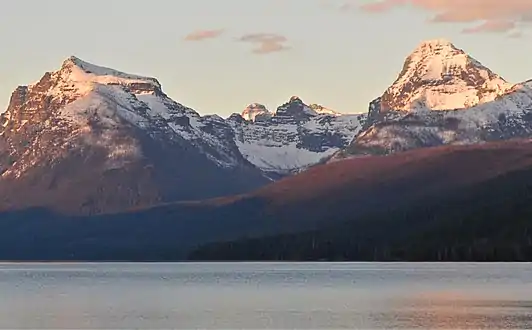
(439, 76)
(78, 124)
(294, 137)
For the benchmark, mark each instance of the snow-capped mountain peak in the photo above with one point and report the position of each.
(115, 138)
(473, 104)
(79, 86)
(94, 105)
(76, 70)
(439, 59)
(79, 90)
(439, 76)
(432, 45)
(256, 111)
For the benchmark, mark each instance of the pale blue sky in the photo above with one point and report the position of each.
(341, 59)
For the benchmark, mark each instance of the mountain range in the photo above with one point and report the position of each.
(100, 164)
(91, 139)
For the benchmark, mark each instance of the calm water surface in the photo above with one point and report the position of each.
(267, 295)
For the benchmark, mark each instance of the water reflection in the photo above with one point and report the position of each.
(454, 310)
(260, 296)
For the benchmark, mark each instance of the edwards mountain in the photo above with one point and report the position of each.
(100, 164)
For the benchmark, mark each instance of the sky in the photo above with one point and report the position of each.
(218, 56)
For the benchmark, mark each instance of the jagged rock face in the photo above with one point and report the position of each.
(443, 96)
(293, 111)
(91, 139)
(294, 138)
(439, 76)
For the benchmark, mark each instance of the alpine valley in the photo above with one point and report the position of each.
(97, 164)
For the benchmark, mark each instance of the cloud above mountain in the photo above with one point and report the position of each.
(263, 43)
(491, 27)
(200, 35)
(488, 16)
(266, 43)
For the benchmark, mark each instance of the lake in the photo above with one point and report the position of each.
(266, 295)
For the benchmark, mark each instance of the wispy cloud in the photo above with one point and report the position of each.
(266, 43)
(493, 16)
(491, 27)
(199, 35)
(515, 35)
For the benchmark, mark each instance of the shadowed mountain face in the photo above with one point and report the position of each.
(381, 198)
(347, 189)
(444, 204)
(490, 221)
(89, 140)
(81, 183)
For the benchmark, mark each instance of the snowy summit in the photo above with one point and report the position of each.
(439, 76)
(254, 110)
(443, 96)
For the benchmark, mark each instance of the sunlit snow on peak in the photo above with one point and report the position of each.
(78, 70)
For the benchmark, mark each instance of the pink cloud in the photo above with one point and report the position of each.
(204, 34)
(488, 15)
(266, 43)
(381, 6)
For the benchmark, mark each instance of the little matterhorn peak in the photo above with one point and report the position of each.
(254, 110)
(296, 99)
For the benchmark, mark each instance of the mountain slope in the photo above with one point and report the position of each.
(444, 96)
(485, 222)
(405, 208)
(377, 198)
(89, 139)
